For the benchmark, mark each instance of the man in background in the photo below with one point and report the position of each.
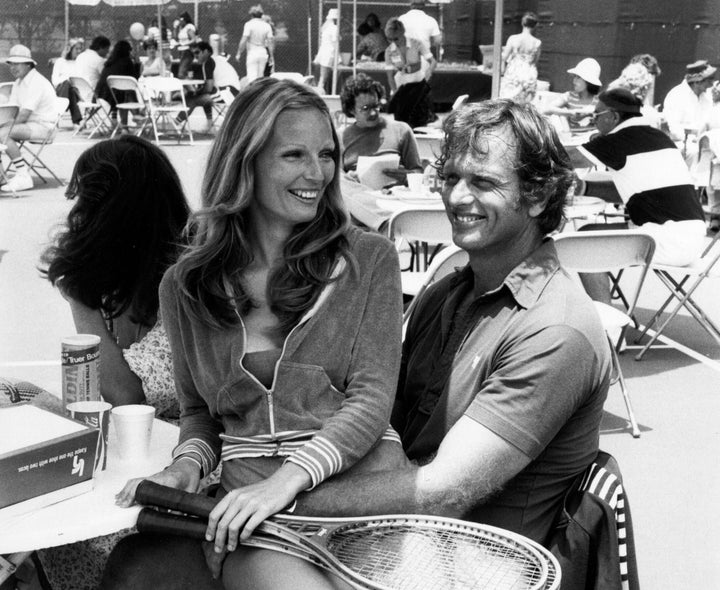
(89, 64)
(420, 25)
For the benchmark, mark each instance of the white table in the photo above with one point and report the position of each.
(94, 513)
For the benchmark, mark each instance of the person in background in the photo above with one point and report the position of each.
(325, 58)
(575, 108)
(225, 76)
(154, 65)
(124, 229)
(202, 94)
(652, 179)
(120, 62)
(36, 99)
(650, 63)
(371, 133)
(420, 25)
(257, 39)
(185, 38)
(89, 64)
(408, 81)
(63, 68)
(636, 78)
(275, 273)
(689, 103)
(520, 58)
(372, 43)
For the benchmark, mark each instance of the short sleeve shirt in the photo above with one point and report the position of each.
(35, 93)
(529, 361)
(258, 32)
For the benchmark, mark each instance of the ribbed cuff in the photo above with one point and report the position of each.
(319, 457)
(198, 451)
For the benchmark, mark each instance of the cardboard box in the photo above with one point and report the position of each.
(43, 454)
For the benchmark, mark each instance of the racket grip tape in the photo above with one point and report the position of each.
(150, 493)
(165, 523)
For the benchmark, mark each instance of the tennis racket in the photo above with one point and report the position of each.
(379, 553)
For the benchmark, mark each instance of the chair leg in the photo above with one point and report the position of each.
(620, 379)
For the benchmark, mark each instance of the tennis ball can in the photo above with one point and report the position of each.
(80, 368)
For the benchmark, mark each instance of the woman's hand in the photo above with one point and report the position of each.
(238, 514)
(184, 475)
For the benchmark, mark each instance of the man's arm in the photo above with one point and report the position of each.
(23, 115)
(472, 463)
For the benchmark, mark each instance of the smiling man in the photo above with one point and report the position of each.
(505, 364)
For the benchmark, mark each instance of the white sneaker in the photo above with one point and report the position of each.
(19, 182)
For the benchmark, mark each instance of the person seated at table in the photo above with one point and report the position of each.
(284, 323)
(153, 65)
(410, 100)
(120, 62)
(637, 79)
(372, 42)
(201, 95)
(575, 107)
(89, 63)
(652, 179)
(36, 99)
(123, 231)
(688, 104)
(225, 76)
(63, 68)
(371, 133)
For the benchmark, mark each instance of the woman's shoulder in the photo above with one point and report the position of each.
(367, 243)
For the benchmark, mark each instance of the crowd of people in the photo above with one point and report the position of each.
(269, 325)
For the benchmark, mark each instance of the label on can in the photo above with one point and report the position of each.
(80, 368)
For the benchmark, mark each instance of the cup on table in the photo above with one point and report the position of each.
(415, 182)
(133, 428)
(97, 415)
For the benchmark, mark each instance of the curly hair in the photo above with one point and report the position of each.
(121, 50)
(542, 164)
(123, 230)
(222, 247)
(636, 78)
(360, 84)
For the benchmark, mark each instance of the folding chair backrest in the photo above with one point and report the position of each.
(226, 96)
(126, 84)
(164, 84)
(295, 76)
(84, 90)
(420, 225)
(607, 251)
(5, 90)
(460, 101)
(8, 112)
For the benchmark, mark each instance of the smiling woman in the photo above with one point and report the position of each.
(284, 324)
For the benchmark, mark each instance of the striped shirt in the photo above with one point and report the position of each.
(648, 171)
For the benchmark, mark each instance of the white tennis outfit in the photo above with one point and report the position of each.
(258, 33)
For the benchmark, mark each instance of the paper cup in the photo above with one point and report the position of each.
(97, 415)
(133, 429)
(415, 182)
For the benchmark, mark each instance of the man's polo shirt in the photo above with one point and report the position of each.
(35, 93)
(530, 362)
(648, 171)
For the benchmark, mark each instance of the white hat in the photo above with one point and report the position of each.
(19, 54)
(332, 14)
(589, 70)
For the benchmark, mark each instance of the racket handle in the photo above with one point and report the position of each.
(164, 523)
(150, 493)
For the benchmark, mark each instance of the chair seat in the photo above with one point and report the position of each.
(611, 317)
(130, 105)
(412, 282)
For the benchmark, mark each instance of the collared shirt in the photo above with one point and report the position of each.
(683, 109)
(35, 93)
(420, 25)
(529, 361)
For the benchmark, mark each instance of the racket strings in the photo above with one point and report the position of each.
(404, 557)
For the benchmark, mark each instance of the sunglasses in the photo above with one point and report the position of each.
(369, 107)
(595, 116)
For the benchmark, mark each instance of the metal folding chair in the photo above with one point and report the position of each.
(129, 96)
(221, 101)
(96, 113)
(610, 252)
(682, 282)
(422, 228)
(33, 148)
(5, 90)
(166, 102)
(8, 113)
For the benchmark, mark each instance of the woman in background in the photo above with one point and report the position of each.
(186, 36)
(153, 66)
(373, 42)
(257, 40)
(325, 58)
(576, 107)
(63, 69)
(519, 62)
(120, 62)
(123, 231)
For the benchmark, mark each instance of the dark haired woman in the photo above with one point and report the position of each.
(284, 323)
(120, 62)
(576, 107)
(371, 133)
(120, 236)
(185, 38)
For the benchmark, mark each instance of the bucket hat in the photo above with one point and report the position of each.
(699, 71)
(19, 54)
(589, 70)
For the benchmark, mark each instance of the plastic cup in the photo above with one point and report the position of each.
(133, 428)
(97, 415)
(415, 182)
